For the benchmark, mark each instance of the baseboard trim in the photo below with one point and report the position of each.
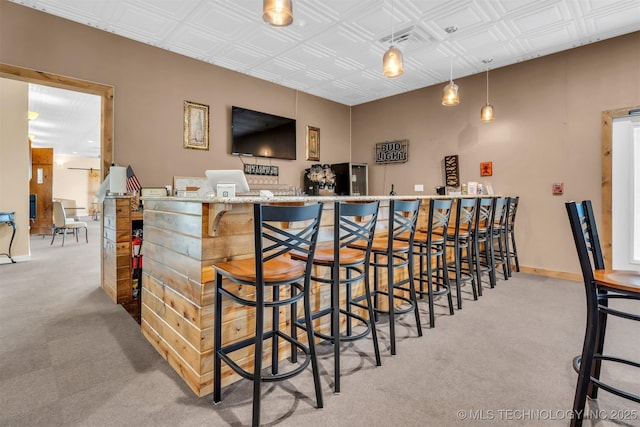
(551, 273)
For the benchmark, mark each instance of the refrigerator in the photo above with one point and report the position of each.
(352, 179)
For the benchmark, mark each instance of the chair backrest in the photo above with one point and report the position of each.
(438, 218)
(484, 209)
(512, 208)
(284, 229)
(585, 236)
(355, 222)
(500, 211)
(465, 214)
(403, 218)
(58, 215)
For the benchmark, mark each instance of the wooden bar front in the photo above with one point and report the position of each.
(182, 239)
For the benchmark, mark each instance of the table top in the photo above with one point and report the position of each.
(626, 280)
(6, 216)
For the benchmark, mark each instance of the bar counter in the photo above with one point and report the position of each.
(183, 237)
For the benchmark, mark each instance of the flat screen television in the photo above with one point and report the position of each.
(262, 135)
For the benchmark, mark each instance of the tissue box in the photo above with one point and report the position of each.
(226, 190)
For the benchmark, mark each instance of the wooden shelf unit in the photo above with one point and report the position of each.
(117, 219)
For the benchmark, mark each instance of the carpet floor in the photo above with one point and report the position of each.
(69, 356)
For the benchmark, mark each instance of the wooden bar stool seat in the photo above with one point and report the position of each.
(354, 223)
(278, 230)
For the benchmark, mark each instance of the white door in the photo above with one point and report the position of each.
(625, 203)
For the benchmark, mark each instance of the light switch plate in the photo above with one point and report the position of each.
(418, 187)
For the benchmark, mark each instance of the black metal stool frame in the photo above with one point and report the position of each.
(403, 216)
(353, 222)
(461, 242)
(481, 234)
(272, 242)
(588, 364)
(512, 250)
(432, 243)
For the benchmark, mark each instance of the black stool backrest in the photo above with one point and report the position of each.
(585, 236)
(465, 214)
(484, 211)
(284, 229)
(403, 218)
(512, 209)
(356, 222)
(500, 211)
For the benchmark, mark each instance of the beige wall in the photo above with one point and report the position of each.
(14, 166)
(150, 86)
(547, 129)
(71, 180)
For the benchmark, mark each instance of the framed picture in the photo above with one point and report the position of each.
(313, 143)
(196, 126)
(486, 169)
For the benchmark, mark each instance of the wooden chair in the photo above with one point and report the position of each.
(353, 222)
(268, 281)
(392, 252)
(601, 286)
(459, 239)
(61, 224)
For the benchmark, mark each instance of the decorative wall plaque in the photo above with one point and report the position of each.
(261, 170)
(392, 151)
(452, 177)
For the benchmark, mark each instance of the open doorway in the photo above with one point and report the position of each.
(106, 122)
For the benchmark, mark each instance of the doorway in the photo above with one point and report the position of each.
(606, 234)
(106, 110)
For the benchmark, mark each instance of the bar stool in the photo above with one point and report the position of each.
(278, 230)
(499, 238)
(512, 251)
(393, 252)
(431, 246)
(460, 241)
(601, 286)
(481, 236)
(353, 222)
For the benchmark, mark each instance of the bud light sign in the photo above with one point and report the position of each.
(392, 152)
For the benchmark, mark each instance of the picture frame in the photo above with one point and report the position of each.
(313, 143)
(196, 126)
(486, 168)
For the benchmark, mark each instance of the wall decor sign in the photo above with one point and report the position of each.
(451, 171)
(486, 169)
(392, 151)
(261, 170)
(196, 126)
(313, 144)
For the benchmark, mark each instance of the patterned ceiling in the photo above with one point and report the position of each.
(334, 48)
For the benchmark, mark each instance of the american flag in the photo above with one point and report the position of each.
(132, 182)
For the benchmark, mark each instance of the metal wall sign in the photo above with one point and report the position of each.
(261, 170)
(452, 176)
(392, 151)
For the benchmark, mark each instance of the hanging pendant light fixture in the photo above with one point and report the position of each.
(450, 96)
(392, 62)
(278, 13)
(487, 113)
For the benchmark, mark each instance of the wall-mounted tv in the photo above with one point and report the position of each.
(262, 135)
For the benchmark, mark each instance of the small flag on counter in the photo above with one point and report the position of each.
(132, 182)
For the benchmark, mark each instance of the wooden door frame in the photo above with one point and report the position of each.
(103, 91)
(607, 190)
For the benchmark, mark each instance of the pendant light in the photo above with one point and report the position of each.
(278, 13)
(450, 96)
(392, 62)
(487, 113)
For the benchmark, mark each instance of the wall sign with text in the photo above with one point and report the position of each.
(261, 170)
(392, 152)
